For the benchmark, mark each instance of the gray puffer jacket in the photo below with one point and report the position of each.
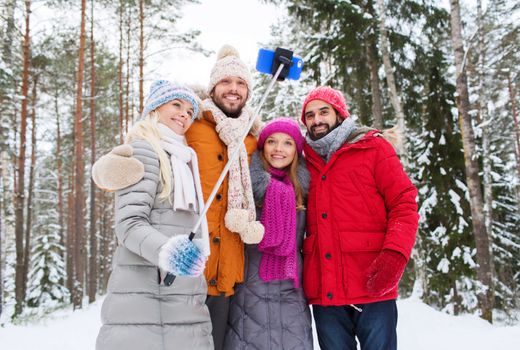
(138, 312)
(269, 315)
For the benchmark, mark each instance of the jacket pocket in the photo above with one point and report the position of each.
(358, 251)
(311, 267)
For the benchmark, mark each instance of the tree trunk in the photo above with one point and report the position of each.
(484, 274)
(10, 28)
(512, 97)
(70, 236)
(394, 96)
(373, 66)
(20, 193)
(7, 42)
(127, 80)
(28, 224)
(377, 110)
(106, 239)
(141, 55)
(79, 200)
(486, 138)
(93, 258)
(2, 204)
(120, 72)
(60, 179)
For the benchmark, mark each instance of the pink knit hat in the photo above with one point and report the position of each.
(331, 96)
(285, 125)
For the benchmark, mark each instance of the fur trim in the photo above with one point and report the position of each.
(254, 233)
(199, 90)
(395, 137)
(260, 177)
(303, 176)
(117, 169)
(227, 50)
(181, 257)
(358, 134)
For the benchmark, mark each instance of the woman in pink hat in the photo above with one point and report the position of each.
(269, 310)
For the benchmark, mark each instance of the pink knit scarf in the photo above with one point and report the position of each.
(278, 246)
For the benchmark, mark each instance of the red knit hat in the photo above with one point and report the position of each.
(285, 125)
(331, 96)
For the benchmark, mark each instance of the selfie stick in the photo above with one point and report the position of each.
(168, 280)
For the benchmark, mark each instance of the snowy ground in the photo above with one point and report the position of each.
(420, 328)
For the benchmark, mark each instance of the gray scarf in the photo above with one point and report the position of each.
(331, 142)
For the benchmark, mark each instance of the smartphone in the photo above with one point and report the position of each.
(265, 61)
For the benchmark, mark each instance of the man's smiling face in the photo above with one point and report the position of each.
(230, 95)
(320, 119)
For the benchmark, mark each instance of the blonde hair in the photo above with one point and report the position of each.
(292, 170)
(147, 130)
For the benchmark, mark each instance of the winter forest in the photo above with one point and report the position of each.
(444, 73)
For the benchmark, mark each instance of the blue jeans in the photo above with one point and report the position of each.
(375, 326)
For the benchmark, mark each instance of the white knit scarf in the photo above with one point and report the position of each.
(230, 130)
(187, 190)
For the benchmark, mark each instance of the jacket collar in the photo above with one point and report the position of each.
(355, 142)
(208, 116)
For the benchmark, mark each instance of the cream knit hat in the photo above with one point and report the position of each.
(229, 64)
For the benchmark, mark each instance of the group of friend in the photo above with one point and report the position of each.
(327, 219)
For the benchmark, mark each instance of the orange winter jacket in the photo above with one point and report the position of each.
(225, 266)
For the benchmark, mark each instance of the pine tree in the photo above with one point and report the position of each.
(46, 291)
(93, 240)
(79, 173)
(20, 178)
(484, 272)
(497, 54)
(444, 240)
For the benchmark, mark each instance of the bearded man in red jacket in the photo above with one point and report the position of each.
(361, 225)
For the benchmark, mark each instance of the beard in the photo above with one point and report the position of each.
(230, 112)
(316, 136)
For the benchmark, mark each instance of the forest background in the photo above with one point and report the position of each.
(444, 73)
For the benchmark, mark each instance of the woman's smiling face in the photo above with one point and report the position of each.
(279, 150)
(177, 115)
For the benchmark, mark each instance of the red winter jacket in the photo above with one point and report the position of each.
(360, 202)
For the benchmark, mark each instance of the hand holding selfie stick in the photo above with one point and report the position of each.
(280, 62)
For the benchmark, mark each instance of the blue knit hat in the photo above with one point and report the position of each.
(163, 91)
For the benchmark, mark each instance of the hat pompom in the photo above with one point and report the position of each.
(229, 64)
(227, 50)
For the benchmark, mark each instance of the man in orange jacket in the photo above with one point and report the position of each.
(231, 216)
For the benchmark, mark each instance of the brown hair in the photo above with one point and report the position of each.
(293, 176)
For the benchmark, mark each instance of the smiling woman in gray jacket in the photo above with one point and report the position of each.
(153, 219)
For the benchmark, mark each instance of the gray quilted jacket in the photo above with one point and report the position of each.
(139, 313)
(269, 315)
